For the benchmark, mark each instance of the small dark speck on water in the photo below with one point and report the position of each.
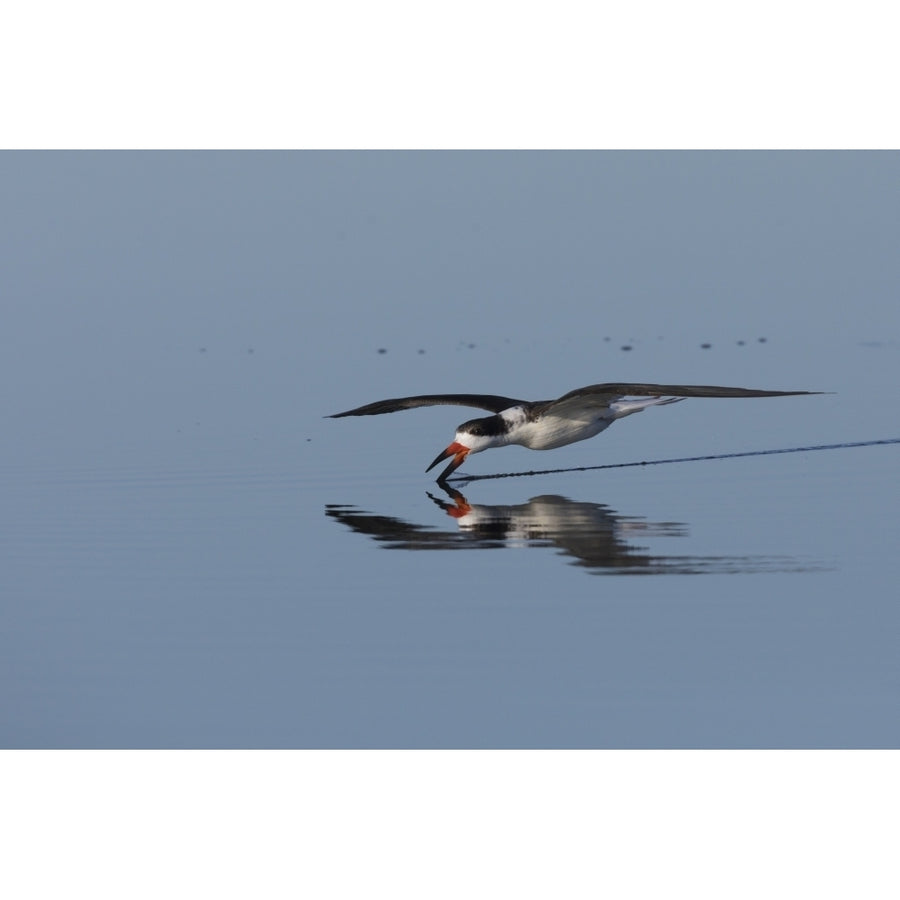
(202, 350)
(382, 350)
(626, 347)
(741, 343)
(421, 352)
(762, 340)
(706, 346)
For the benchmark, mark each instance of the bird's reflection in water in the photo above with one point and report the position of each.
(591, 534)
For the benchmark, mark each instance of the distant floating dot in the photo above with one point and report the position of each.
(741, 343)
(203, 349)
(421, 352)
(706, 346)
(762, 340)
(626, 347)
(382, 350)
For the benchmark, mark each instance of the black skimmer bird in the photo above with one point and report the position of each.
(545, 424)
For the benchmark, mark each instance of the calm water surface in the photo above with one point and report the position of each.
(744, 603)
(192, 556)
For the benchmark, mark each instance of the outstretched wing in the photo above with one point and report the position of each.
(480, 401)
(600, 395)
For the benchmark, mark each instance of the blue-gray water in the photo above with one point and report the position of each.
(191, 555)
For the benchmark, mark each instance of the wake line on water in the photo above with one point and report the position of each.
(680, 459)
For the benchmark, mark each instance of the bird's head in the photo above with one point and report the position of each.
(471, 437)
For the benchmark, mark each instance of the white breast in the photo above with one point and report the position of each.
(555, 431)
